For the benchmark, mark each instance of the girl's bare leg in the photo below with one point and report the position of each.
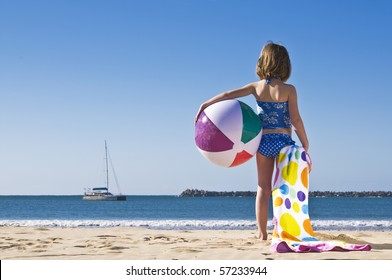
(265, 168)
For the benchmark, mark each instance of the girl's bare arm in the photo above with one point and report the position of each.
(231, 94)
(296, 119)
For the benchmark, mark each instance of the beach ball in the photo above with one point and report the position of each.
(228, 133)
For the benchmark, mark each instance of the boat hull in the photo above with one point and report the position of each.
(105, 198)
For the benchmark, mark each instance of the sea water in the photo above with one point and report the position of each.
(173, 212)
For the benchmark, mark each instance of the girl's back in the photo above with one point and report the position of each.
(275, 91)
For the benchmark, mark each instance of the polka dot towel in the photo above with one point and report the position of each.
(293, 230)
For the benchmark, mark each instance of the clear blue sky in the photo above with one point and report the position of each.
(74, 73)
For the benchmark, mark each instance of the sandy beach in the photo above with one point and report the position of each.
(126, 243)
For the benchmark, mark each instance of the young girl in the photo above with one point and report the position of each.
(278, 110)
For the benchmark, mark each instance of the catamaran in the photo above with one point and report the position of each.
(102, 193)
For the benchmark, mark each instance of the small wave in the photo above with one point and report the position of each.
(352, 224)
(152, 224)
(198, 224)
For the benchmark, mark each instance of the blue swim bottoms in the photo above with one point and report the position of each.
(271, 144)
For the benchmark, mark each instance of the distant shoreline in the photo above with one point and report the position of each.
(204, 193)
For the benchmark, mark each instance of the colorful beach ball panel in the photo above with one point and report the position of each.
(228, 133)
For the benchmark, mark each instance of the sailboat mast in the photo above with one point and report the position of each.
(107, 168)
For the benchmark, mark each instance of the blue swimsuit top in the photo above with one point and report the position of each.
(274, 115)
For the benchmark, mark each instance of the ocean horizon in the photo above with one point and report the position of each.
(186, 213)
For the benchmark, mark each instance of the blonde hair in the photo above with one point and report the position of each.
(274, 62)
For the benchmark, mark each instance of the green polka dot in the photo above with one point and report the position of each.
(293, 193)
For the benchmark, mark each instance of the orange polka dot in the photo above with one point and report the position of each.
(278, 201)
(304, 177)
(308, 227)
(287, 236)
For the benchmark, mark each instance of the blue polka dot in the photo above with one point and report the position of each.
(309, 239)
(305, 209)
(284, 189)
